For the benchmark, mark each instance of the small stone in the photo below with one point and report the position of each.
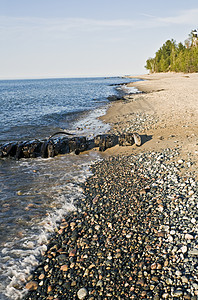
(180, 161)
(153, 266)
(82, 293)
(91, 266)
(177, 293)
(169, 281)
(99, 283)
(189, 236)
(41, 276)
(128, 236)
(64, 268)
(143, 294)
(31, 286)
(178, 273)
(184, 249)
(49, 289)
(46, 268)
(72, 253)
(170, 238)
(109, 257)
(155, 278)
(193, 252)
(160, 208)
(190, 193)
(193, 220)
(166, 263)
(159, 266)
(184, 279)
(73, 283)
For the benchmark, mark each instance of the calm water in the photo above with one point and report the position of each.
(36, 193)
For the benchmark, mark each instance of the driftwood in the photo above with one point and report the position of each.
(53, 146)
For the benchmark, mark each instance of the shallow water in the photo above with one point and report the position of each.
(46, 190)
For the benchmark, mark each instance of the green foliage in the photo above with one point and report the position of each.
(175, 57)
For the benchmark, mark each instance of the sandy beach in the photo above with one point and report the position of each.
(134, 234)
(165, 114)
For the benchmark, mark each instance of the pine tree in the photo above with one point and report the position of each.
(177, 58)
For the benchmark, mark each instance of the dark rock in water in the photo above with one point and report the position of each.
(19, 152)
(113, 98)
(44, 151)
(8, 150)
(126, 139)
(62, 145)
(78, 144)
(31, 149)
(105, 141)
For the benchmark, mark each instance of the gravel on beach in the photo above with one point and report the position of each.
(133, 236)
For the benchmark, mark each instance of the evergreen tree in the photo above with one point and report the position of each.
(177, 58)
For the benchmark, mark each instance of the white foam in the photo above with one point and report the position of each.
(130, 89)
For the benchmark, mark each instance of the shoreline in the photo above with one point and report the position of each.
(134, 235)
(165, 114)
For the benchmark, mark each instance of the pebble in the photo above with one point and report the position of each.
(189, 236)
(82, 293)
(184, 249)
(180, 161)
(177, 293)
(193, 252)
(31, 286)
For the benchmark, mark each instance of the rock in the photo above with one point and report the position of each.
(169, 281)
(82, 293)
(64, 268)
(32, 286)
(177, 293)
(193, 220)
(42, 276)
(180, 161)
(190, 193)
(184, 249)
(189, 236)
(193, 252)
(184, 279)
(178, 273)
(72, 253)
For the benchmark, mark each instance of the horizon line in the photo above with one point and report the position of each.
(67, 77)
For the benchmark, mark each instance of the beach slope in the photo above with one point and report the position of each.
(166, 112)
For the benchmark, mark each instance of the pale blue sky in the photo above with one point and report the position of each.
(71, 38)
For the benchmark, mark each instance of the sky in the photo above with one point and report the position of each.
(86, 38)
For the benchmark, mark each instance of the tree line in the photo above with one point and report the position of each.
(176, 57)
